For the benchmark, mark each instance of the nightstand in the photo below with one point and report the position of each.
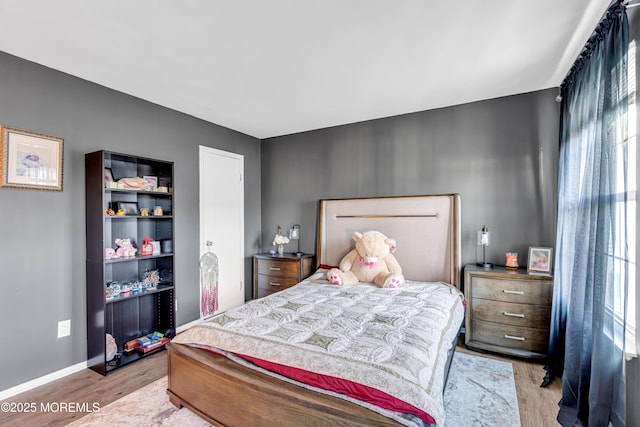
(508, 311)
(274, 273)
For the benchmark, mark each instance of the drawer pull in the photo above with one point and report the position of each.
(274, 268)
(274, 284)
(520, 315)
(507, 291)
(511, 337)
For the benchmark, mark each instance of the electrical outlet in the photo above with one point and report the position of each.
(176, 305)
(64, 328)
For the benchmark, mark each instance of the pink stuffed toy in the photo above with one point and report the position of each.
(371, 261)
(125, 248)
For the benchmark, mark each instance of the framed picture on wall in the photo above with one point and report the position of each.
(540, 259)
(30, 160)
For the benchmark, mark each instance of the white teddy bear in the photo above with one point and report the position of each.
(371, 261)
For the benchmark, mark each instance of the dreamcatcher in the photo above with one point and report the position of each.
(208, 282)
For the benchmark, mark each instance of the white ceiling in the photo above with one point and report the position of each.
(274, 67)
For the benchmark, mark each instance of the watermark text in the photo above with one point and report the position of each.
(55, 407)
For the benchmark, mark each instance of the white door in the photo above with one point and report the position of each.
(222, 223)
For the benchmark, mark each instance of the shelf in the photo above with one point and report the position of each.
(123, 190)
(152, 217)
(131, 356)
(137, 258)
(130, 295)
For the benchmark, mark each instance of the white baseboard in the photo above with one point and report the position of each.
(21, 388)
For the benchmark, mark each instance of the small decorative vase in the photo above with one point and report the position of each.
(280, 249)
(512, 260)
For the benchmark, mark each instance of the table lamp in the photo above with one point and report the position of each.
(483, 242)
(294, 234)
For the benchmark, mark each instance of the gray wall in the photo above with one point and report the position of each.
(633, 366)
(42, 234)
(489, 152)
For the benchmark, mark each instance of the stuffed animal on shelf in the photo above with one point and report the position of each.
(110, 253)
(371, 261)
(135, 183)
(111, 347)
(125, 248)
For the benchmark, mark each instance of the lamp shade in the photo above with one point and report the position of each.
(483, 241)
(483, 236)
(294, 234)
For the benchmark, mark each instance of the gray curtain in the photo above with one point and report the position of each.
(587, 326)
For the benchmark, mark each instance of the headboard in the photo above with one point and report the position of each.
(426, 230)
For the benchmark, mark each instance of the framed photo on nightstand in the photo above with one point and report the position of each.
(540, 259)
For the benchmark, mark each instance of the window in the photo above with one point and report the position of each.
(632, 344)
(624, 252)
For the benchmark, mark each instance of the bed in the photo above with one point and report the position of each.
(350, 355)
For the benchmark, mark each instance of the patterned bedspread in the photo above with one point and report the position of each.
(393, 340)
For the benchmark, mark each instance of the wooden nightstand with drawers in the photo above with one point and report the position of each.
(274, 273)
(508, 311)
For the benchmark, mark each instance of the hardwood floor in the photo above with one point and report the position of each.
(84, 387)
(538, 406)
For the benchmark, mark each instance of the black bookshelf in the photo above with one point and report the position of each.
(128, 316)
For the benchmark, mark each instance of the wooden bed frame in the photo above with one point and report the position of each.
(227, 394)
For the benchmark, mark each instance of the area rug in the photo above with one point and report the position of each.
(480, 392)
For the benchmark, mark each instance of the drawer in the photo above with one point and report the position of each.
(507, 290)
(274, 283)
(278, 268)
(509, 336)
(263, 293)
(533, 316)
